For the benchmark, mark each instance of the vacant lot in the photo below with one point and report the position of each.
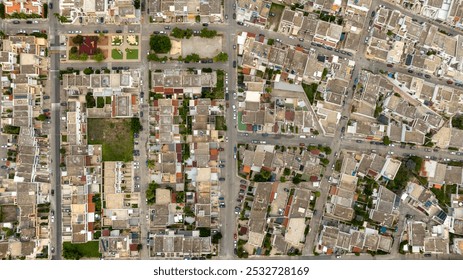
(274, 21)
(8, 213)
(206, 48)
(82, 250)
(115, 135)
(220, 123)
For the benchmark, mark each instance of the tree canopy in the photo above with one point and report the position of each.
(207, 33)
(221, 57)
(78, 40)
(160, 43)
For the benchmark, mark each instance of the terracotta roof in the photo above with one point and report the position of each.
(246, 71)
(105, 232)
(159, 89)
(178, 90)
(168, 90)
(134, 100)
(333, 190)
(133, 247)
(246, 169)
(214, 152)
(243, 230)
(251, 35)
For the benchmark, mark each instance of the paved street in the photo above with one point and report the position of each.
(55, 141)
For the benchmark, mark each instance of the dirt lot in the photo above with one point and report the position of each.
(202, 46)
(116, 137)
(275, 20)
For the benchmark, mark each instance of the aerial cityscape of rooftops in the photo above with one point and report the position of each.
(222, 129)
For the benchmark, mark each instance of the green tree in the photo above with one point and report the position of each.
(11, 129)
(91, 103)
(78, 40)
(88, 71)
(160, 43)
(386, 140)
(207, 33)
(74, 49)
(135, 125)
(151, 164)
(2, 10)
(99, 57)
(180, 196)
(263, 176)
(71, 253)
(194, 57)
(151, 193)
(41, 117)
(457, 121)
(177, 33)
(216, 238)
(221, 57)
(136, 4)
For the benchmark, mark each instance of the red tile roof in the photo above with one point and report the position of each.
(133, 247)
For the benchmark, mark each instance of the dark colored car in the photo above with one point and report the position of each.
(427, 76)
(205, 24)
(221, 179)
(52, 192)
(16, 21)
(105, 31)
(234, 63)
(221, 165)
(118, 31)
(29, 22)
(234, 15)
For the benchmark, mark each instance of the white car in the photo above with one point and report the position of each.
(226, 139)
(234, 107)
(79, 31)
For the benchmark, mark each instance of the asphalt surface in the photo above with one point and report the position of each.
(55, 143)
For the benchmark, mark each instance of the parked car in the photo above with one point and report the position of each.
(118, 31)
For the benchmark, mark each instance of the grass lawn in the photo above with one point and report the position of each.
(218, 91)
(81, 250)
(116, 137)
(132, 53)
(115, 54)
(220, 123)
(241, 126)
